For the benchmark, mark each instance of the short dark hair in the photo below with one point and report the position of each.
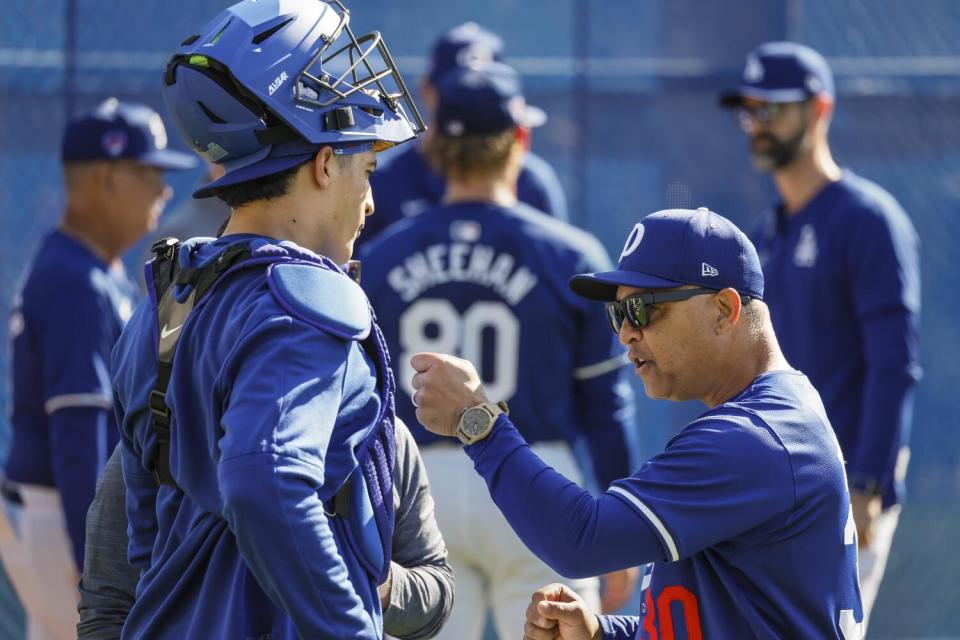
(268, 187)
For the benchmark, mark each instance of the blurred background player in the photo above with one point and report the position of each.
(75, 299)
(841, 262)
(407, 185)
(484, 275)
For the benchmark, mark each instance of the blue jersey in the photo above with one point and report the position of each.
(489, 284)
(746, 515)
(67, 316)
(843, 286)
(406, 186)
(270, 404)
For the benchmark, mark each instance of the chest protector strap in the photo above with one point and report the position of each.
(171, 316)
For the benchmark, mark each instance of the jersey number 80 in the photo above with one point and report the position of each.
(433, 324)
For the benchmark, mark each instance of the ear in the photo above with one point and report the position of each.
(323, 167)
(822, 107)
(728, 307)
(524, 137)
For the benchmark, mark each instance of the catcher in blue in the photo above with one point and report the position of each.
(74, 300)
(745, 514)
(484, 275)
(253, 390)
(840, 242)
(407, 184)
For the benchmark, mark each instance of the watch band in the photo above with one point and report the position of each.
(493, 411)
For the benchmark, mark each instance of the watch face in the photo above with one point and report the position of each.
(475, 420)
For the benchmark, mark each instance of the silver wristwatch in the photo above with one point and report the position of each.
(476, 422)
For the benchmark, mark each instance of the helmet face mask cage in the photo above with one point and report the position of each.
(354, 67)
(261, 81)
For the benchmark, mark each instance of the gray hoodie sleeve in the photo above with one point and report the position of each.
(109, 583)
(422, 593)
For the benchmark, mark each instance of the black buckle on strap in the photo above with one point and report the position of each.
(158, 407)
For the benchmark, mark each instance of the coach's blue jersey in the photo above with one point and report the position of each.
(489, 284)
(843, 286)
(268, 411)
(745, 514)
(750, 505)
(67, 316)
(406, 186)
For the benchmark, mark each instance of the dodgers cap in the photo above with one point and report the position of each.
(677, 247)
(782, 72)
(117, 130)
(483, 101)
(466, 46)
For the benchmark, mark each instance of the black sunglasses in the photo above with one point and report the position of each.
(634, 308)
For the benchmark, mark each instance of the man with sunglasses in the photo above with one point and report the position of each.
(843, 244)
(745, 514)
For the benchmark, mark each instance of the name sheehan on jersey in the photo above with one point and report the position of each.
(459, 262)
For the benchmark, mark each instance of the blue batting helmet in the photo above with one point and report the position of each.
(262, 87)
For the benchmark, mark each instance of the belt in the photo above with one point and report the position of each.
(10, 492)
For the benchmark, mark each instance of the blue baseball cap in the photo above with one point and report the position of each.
(679, 247)
(483, 101)
(466, 46)
(117, 130)
(782, 72)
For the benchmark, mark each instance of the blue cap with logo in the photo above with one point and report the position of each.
(782, 72)
(117, 130)
(465, 46)
(677, 247)
(483, 101)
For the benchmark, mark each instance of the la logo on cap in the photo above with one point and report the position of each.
(475, 56)
(157, 131)
(633, 240)
(753, 71)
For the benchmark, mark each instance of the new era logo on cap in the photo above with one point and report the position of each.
(708, 271)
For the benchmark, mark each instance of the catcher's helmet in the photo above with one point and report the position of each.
(258, 90)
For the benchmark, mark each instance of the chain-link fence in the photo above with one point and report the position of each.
(630, 88)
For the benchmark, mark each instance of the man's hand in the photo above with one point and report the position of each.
(617, 589)
(445, 386)
(866, 511)
(385, 590)
(556, 612)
